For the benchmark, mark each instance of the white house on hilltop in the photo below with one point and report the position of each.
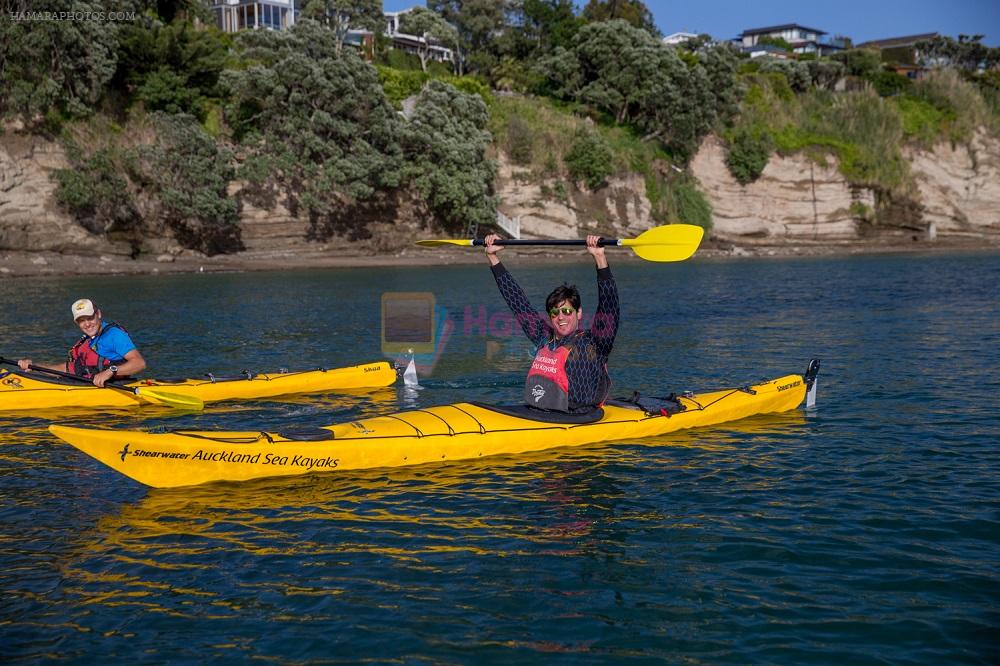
(678, 38)
(800, 38)
(412, 43)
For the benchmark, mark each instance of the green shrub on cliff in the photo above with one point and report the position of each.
(748, 154)
(190, 174)
(401, 83)
(687, 205)
(961, 104)
(95, 191)
(590, 159)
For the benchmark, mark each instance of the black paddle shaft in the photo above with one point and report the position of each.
(602, 242)
(67, 375)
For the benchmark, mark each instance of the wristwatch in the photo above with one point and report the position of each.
(114, 370)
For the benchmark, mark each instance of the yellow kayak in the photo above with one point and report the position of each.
(29, 390)
(450, 432)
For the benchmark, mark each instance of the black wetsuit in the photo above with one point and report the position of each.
(586, 366)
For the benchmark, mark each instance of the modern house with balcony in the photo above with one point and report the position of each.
(902, 55)
(800, 38)
(236, 15)
(412, 43)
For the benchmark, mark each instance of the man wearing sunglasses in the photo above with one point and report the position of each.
(569, 372)
(104, 352)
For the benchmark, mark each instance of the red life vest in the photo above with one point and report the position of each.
(85, 361)
(547, 386)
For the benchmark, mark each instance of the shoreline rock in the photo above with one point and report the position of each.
(47, 263)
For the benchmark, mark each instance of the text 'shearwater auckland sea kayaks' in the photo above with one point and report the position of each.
(29, 390)
(450, 432)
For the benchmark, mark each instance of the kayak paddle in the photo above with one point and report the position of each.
(143, 393)
(670, 242)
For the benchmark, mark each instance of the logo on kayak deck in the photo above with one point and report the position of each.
(788, 386)
(124, 452)
(13, 382)
(537, 392)
(360, 428)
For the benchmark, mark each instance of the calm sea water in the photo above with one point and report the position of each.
(866, 530)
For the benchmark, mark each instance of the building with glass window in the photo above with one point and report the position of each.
(234, 15)
(800, 38)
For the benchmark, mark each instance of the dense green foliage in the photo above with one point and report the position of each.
(162, 113)
(626, 73)
(633, 12)
(189, 173)
(171, 67)
(313, 121)
(446, 145)
(55, 66)
(429, 25)
(96, 192)
(749, 151)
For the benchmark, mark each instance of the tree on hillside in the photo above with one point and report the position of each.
(190, 175)
(478, 23)
(550, 23)
(173, 67)
(313, 121)
(60, 65)
(430, 27)
(446, 144)
(859, 62)
(342, 16)
(628, 73)
(635, 12)
(967, 52)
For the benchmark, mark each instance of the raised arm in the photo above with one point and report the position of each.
(534, 326)
(607, 316)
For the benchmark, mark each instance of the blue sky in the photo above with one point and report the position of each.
(861, 20)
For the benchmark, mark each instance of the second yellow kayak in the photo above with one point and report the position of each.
(29, 390)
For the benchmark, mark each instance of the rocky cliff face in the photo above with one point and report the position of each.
(620, 209)
(30, 219)
(795, 201)
(959, 187)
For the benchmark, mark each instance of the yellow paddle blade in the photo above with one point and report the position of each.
(174, 400)
(671, 242)
(439, 243)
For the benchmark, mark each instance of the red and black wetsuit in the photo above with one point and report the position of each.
(587, 350)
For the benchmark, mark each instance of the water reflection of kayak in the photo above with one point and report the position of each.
(449, 432)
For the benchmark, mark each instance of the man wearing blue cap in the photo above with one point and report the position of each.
(104, 352)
